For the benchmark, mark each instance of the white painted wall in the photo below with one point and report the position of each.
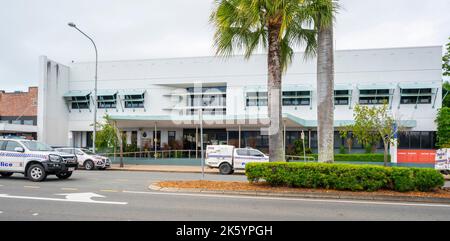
(396, 65)
(53, 118)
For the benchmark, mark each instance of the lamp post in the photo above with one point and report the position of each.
(72, 25)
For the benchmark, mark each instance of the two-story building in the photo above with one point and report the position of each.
(160, 98)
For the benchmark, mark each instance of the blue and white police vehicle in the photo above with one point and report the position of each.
(35, 160)
(228, 158)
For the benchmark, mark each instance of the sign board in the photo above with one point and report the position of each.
(416, 156)
(442, 159)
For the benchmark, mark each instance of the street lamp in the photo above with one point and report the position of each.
(72, 25)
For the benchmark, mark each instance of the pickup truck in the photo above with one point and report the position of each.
(35, 160)
(229, 158)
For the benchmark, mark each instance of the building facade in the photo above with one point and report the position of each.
(157, 102)
(18, 113)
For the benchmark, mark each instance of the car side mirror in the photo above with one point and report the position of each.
(19, 149)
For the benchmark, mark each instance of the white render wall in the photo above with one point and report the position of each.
(396, 65)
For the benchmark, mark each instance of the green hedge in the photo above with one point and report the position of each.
(345, 176)
(356, 157)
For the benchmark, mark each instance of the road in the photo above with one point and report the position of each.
(117, 195)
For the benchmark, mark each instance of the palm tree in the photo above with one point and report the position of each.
(322, 13)
(276, 26)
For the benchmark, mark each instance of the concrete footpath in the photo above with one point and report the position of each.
(166, 168)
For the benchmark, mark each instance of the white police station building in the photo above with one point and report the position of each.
(158, 99)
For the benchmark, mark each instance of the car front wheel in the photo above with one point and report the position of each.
(89, 165)
(64, 175)
(36, 173)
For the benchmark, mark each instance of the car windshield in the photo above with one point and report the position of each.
(88, 152)
(37, 146)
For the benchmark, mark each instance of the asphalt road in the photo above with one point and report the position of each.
(125, 196)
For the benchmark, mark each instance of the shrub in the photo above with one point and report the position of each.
(345, 176)
(356, 157)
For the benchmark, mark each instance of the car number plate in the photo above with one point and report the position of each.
(71, 169)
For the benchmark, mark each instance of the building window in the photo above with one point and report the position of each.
(374, 97)
(256, 99)
(172, 136)
(134, 101)
(214, 99)
(207, 111)
(341, 97)
(416, 96)
(107, 101)
(16, 122)
(28, 122)
(80, 102)
(296, 98)
(417, 140)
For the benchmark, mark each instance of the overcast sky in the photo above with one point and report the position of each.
(142, 29)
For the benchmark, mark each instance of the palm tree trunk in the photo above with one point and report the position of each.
(325, 94)
(276, 152)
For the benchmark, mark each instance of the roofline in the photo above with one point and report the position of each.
(242, 56)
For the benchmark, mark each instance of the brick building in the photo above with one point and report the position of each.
(18, 113)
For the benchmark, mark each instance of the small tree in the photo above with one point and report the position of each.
(446, 61)
(346, 133)
(110, 137)
(106, 136)
(443, 127)
(372, 125)
(446, 73)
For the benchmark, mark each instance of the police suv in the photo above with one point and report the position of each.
(34, 159)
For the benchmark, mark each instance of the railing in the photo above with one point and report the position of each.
(290, 158)
(189, 154)
(159, 154)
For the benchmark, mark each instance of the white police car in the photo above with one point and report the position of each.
(34, 159)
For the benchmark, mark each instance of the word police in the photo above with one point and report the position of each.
(4, 164)
(226, 231)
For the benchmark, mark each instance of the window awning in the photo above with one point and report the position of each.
(420, 85)
(77, 93)
(261, 88)
(386, 86)
(297, 88)
(132, 92)
(106, 92)
(343, 87)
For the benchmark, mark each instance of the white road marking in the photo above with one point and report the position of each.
(34, 187)
(69, 189)
(109, 190)
(292, 199)
(35, 214)
(70, 197)
(1, 212)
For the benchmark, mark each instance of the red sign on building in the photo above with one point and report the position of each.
(416, 156)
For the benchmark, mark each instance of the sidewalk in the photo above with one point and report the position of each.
(166, 168)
